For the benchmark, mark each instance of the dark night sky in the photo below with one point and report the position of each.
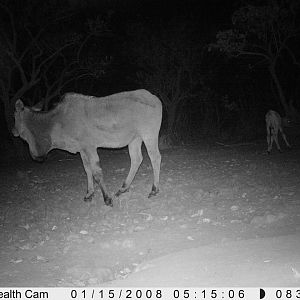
(209, 12)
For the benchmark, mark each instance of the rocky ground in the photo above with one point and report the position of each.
(215, 199)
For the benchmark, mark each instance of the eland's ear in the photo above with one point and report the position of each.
(15, 132)
(19, 105)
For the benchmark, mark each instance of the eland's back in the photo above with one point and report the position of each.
(112, 121)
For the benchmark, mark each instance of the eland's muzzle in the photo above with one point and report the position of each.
(38, 158)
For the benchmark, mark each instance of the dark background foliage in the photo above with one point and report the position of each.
(217, 66)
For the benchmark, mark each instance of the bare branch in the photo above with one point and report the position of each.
(74, 78)
(12, 23)
(18, 65)
(244, 52)
(2, 87)
(273, 33)
(290, 52)
(81, 46)
(32, 42)
(50, 57)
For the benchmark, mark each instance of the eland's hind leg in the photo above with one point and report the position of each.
(269, 140)
(284, 138)
(155, 157)
(136, 158)
(276, 141)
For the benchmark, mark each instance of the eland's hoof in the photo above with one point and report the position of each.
(88, 198)
(122, 190)
(119, 192)
(108, 201)
(154, 191)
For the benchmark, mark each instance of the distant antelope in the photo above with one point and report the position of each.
(274, 123)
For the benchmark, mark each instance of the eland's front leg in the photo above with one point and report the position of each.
(93, 170)
(90, 182)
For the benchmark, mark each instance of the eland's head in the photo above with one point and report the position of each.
(22, 129)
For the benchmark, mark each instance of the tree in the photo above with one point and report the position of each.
(167, 64)
(42, 58)
(71, 65)
(25, 56)
(269, 35)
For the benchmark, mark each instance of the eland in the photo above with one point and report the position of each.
(274, 124)
(82, 123)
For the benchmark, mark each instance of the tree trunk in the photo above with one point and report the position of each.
(294, 114)
(9, 113)
(171, 115)
(281, 95)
